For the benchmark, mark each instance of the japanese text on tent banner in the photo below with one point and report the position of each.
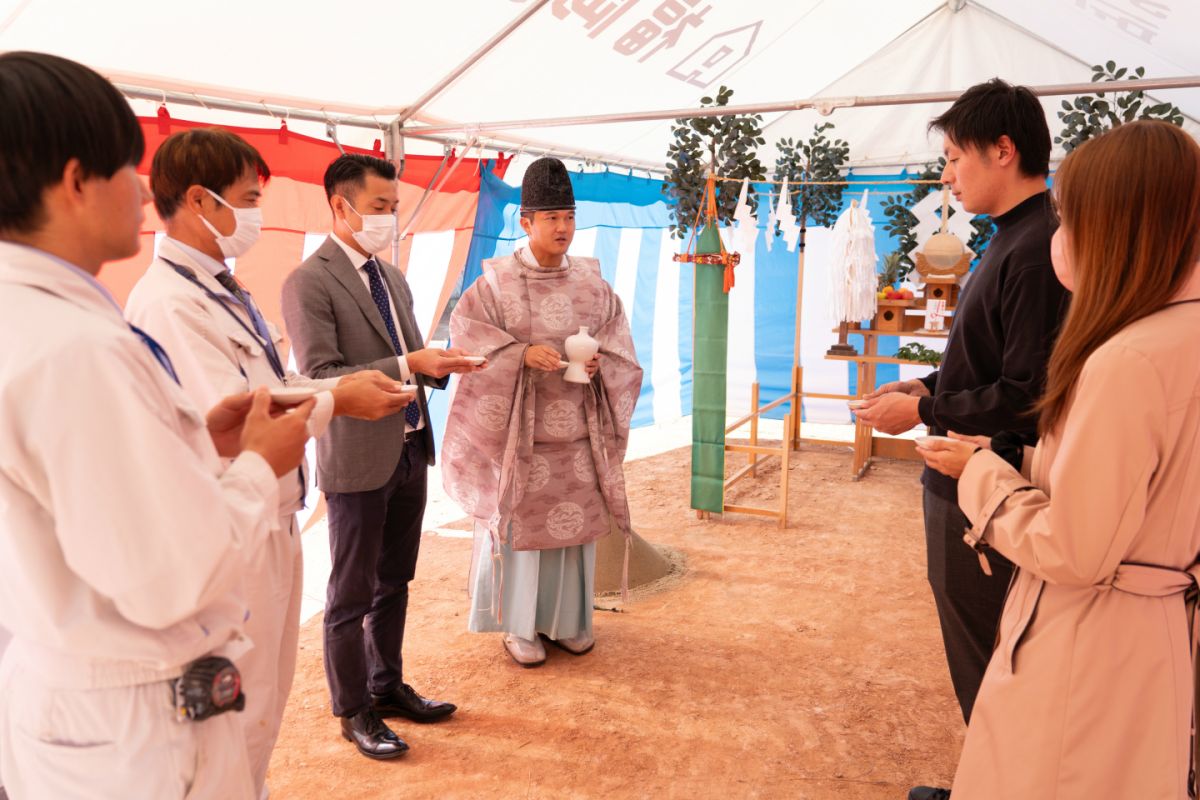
(662, 27)
(1130, 16)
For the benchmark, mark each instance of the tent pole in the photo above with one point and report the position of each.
(435, 185)
(458, 71)
(823, 105)
(356, 120)
(393, 148)
(155, 89)
(534, 147)
(400, 234)
(230, 100)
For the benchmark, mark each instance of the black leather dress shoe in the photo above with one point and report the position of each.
(372, 737)
(404, 702)
(928, 793)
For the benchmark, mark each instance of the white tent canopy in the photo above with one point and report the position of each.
(584, 57)
(959, 49)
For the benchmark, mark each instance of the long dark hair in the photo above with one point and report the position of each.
(1130, 207)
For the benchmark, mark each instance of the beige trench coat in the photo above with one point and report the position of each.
(1088, 695)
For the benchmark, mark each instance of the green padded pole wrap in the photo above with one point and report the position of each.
(710, 347)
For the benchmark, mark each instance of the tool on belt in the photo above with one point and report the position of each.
(209, 686)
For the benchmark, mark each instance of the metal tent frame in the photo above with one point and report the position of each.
(496, 135)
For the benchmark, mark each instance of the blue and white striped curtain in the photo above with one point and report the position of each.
(623, 221)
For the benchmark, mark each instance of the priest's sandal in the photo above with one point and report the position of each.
(575, 645)
(526, 652)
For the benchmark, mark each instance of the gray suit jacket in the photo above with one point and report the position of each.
(336, 329)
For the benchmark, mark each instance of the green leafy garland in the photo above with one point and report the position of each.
(1091, 115)
(802, 163)
(727, 143)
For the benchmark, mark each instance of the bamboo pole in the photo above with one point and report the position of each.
(800, 395)
(752, 510)
(797, 370)
(762, 449)
(737, 476)
(862, 433)
(753, 458)
(787, 398)
(784, 463)
(827, 442)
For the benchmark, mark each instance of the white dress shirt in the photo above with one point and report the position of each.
(123, 540)
(358, 260)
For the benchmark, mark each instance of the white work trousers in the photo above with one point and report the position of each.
(274, 581)
(112, 744)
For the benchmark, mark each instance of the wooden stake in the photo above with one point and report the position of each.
(798, 382)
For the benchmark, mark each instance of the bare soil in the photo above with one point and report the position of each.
(803, 663)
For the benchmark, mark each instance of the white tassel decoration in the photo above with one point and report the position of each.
(853, 278)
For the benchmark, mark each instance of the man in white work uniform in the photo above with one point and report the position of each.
(206, 184)
(123, 536)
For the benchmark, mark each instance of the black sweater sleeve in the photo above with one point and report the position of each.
(1030, 303)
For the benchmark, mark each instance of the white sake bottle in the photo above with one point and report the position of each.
(580, 348)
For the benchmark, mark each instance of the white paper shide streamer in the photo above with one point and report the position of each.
(789, 226)
(747, 226)
(853, 278)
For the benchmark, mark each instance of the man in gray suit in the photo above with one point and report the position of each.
(348, 310)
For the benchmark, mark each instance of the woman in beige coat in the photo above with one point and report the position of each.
(1089, 693)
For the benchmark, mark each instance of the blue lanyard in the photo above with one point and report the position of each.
(267, 346)
(160, 355)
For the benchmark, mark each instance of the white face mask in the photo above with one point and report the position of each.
(248, 227)
(377, 232)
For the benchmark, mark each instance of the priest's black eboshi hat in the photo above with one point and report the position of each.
(547, 187)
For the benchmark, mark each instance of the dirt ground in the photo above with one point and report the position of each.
(803, 663)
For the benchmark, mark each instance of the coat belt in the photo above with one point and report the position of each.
(1148, 580)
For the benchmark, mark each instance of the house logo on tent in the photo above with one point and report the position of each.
(708, 62)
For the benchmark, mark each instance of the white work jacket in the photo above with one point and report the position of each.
(216, 355)
(122, 534)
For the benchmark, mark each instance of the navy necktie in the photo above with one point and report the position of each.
(412, 412)
(156, 349)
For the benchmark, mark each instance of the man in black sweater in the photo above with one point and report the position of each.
(997, 150)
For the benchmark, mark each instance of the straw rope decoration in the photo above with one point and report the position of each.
(709, 212)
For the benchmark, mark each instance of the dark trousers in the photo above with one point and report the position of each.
(969, 602)
(374, 538)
